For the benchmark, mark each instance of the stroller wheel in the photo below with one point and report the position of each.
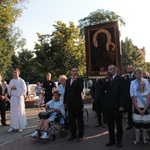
(63, 131)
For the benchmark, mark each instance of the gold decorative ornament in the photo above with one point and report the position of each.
(108, 39)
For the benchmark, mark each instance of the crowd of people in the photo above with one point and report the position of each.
(112, 96)
(115, 95)
(67, 96)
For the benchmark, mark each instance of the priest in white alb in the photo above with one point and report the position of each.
(17, 90)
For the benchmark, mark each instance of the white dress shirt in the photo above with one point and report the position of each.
(133, 87)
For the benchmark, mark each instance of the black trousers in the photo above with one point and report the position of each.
(7, 105)
(114, 117)
(47, 97)
(100, 110)
(76, 116)
(99, 117)
(3, 110)
(129, 110)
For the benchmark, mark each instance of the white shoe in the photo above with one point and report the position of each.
(135, 142)
(20, 130)
(44, 136)
(145, 142)
(10, 130)
(34, 134)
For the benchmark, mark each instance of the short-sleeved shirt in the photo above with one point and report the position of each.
(59, 105)
(38, 89)
(49, 85)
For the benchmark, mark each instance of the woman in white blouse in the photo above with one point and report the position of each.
(61, 86)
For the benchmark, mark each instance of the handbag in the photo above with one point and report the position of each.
(47, 114)
(44, 115)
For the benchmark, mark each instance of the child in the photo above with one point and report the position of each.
(38, 90)
(141, 115)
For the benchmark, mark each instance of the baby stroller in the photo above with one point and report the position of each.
(58, 126)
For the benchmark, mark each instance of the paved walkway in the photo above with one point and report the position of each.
(95, 138)
(32, 121)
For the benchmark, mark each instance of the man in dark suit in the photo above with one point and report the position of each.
(115, 103)
(3, 96)
(128, 78)
(98, 100)
(74, 104)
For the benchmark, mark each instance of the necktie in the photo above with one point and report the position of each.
(130, 76)
(71, 81)
(111, 80)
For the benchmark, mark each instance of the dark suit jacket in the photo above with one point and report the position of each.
(97, 95)
(95, 91)
(72, 96)
(127, 84)
(115, 94)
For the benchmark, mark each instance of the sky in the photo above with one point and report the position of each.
(41, 15)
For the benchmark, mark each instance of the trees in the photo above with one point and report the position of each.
(56, 52)
(147, 68)
(131, 55)
(60, 51)
(97, 17)
(66, 41)
(25, 61)
(10, 10)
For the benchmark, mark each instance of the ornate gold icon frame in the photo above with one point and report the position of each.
(102, 43)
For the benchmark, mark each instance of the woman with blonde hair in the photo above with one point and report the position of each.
(61, 86)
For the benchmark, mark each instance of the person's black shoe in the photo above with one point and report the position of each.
(109, 143)
(98, 125)
(129, 128)
(72, 138)
(103, 126)
(79, 139)
(5, 124)
(119, 144)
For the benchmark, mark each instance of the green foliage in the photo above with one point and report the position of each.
(8, 13)
(71, 51)
(58, 52)
(43, 53)
(131, 55)
(147, 67)
(10, 10)
(26, 62)
(97, 17)
(6, 50)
